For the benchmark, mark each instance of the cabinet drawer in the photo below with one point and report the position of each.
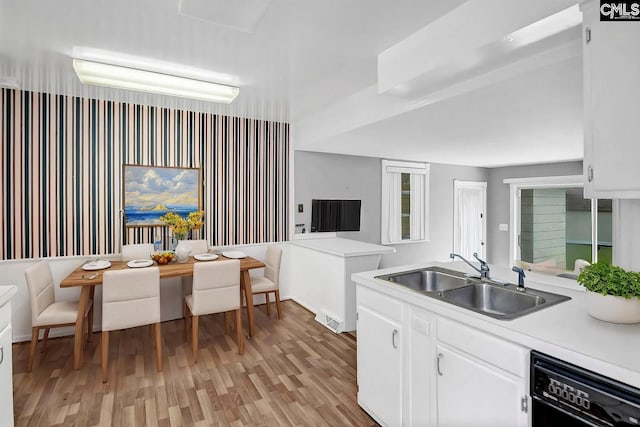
(5, 315)
(496, 351)
(381, 303)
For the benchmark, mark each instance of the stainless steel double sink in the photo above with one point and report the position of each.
(501, 301)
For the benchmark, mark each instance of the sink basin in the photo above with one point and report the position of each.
(431, 279)
(502, 302)
(485, 296)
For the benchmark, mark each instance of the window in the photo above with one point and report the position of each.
(554, 228)
(405, 202)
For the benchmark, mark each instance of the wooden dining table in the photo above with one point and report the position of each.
(83, 278)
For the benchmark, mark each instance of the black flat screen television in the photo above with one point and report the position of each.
(335, 215)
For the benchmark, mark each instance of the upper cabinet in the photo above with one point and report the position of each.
(611, 105)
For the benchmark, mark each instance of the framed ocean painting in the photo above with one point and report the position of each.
(152, 191)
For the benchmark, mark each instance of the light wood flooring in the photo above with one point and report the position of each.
(293, 372)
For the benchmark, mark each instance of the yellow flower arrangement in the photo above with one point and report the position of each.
(181, 226)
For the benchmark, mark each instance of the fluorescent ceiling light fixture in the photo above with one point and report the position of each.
(151, 64)
(115, 76)
(546, 27)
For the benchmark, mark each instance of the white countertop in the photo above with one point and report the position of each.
(564, 331)
(6, 292)
(343, 247)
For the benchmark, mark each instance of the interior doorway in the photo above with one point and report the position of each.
(469, 218)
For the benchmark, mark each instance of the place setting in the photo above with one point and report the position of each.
(234, 254)
(140, 263)
(96, 265)
(205, 257)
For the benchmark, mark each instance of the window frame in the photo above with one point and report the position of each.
(564, 181)
(390, 167)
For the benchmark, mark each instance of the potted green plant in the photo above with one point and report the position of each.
(613, 293)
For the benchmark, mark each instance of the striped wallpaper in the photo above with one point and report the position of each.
(61, 172)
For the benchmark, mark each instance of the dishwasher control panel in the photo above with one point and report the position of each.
(585, 395)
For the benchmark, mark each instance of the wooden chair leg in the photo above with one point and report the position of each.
(90, 324)
(194, 338)
(92, 298)
(187, 321)
(105, 355)
(35, 333)
(240, 336)
(228, 323)
(158, 335)
(45, 337)
(277, 292)
(266, 298)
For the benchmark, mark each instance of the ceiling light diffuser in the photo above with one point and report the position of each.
(115, 76)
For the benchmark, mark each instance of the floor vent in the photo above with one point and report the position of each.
(330, 321)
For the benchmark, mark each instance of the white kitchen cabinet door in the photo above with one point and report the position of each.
(611, 106)
(379, 367)
(420, 367)
(471, 393)
(6, 378)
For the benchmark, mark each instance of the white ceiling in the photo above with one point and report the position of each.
(297, 59)
(534, 118)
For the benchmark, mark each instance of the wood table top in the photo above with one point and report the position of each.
(79, 277)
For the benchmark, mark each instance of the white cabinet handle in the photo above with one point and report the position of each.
(1, 355)
(440, 356)
(393, 338)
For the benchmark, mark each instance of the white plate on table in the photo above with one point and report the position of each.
(205, 257)
(96, 265)
(139, 263)
(234, 254)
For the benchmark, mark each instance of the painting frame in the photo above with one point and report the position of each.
(149, 191)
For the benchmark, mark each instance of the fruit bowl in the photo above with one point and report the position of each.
(163, 257)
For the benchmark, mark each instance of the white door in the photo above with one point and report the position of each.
(471, 393)
(379, 367)
(469, 216)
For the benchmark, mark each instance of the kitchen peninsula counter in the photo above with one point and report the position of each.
(565, 331)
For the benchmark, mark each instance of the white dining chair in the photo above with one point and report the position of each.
(197, 246)
(216, 289)
(130, 298)
(137, 251)
(270, 282)
(46, 313)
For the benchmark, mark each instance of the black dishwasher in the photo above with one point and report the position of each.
(567, 395)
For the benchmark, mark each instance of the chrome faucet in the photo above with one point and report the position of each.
(484, 267)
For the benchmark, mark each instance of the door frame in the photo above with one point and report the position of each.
(458, 185)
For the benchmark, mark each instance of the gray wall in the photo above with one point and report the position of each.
(498, 201)
(320, 175)
(333, 176)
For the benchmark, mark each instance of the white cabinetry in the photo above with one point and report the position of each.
(419, 367)
(379, 355)
(6, 367)
(473, 393)
(416, 367)
(611, 106)
(482, 381)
